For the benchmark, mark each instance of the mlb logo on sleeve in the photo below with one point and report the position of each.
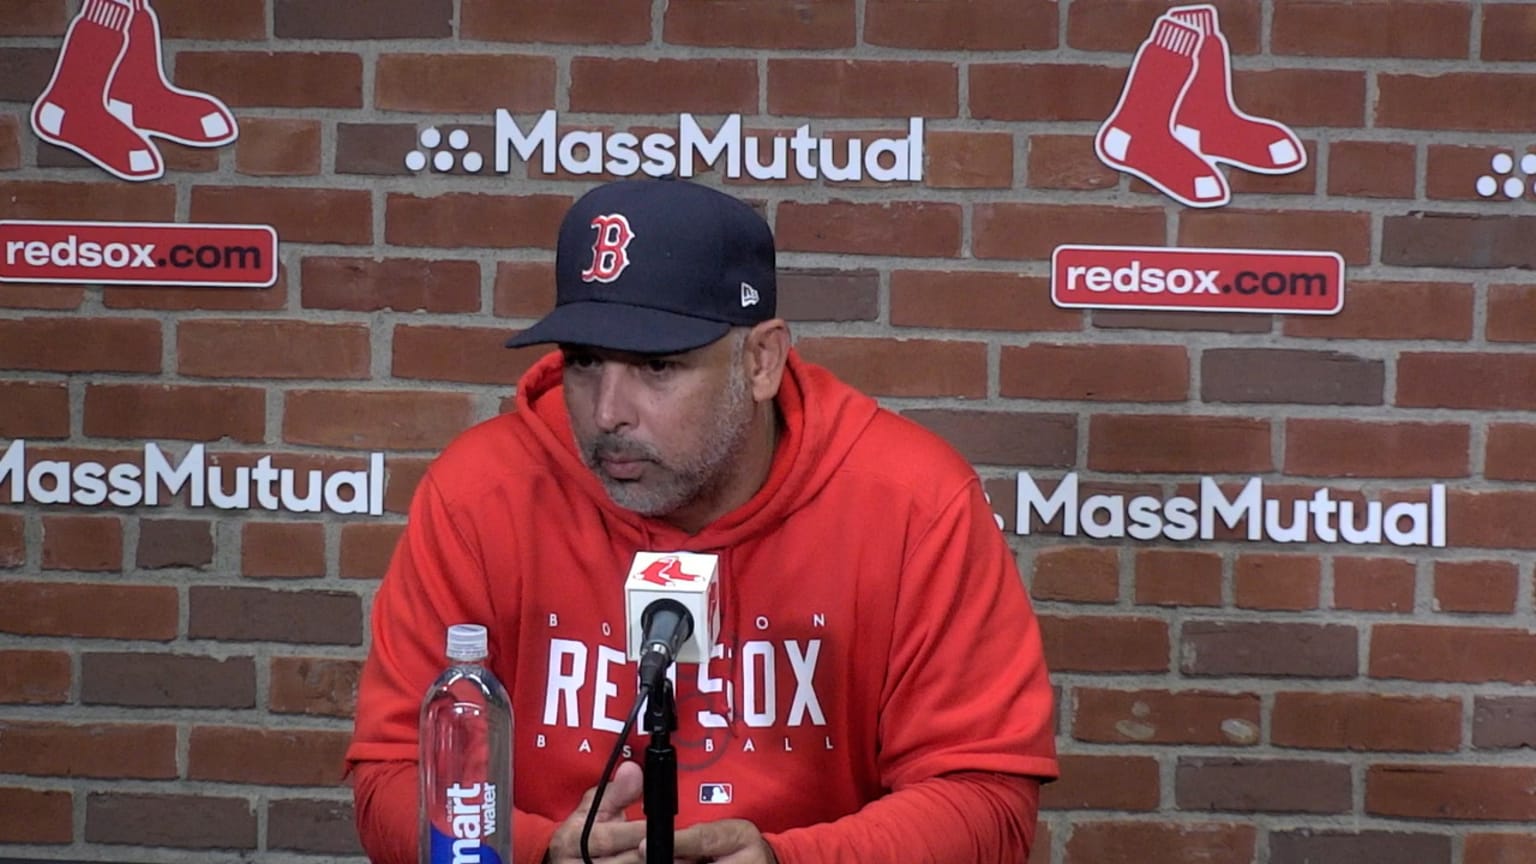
(715, 793)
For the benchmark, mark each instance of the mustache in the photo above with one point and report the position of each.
(608, 445)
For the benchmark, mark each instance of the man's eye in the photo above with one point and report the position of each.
(658, 365)
(580, 361)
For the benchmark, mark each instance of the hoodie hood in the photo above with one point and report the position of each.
(822, 418)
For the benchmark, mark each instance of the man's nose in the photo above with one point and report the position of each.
(615, 407)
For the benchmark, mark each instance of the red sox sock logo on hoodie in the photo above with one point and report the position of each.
(109, 96)
(1176, 118)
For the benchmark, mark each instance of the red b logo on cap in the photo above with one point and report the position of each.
(610, 251)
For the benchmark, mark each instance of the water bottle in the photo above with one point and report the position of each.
(466, 759)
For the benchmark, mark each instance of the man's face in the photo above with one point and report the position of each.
(659, 431)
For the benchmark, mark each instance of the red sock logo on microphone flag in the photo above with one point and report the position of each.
(1176, 118)
(109, 95)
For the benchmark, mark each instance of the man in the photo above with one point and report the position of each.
(877, 693)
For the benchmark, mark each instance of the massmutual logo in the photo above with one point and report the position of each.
(728, 147)
(109, 95)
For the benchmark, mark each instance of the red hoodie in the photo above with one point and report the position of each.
(875, 636)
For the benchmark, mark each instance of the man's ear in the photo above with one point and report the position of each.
(767, 351)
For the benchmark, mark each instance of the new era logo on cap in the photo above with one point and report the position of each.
(749, 296)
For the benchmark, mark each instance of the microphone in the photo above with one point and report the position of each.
(672, 611)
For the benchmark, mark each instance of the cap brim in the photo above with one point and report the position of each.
(621, 327)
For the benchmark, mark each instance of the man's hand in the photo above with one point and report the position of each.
(728, 841)
(614, 839)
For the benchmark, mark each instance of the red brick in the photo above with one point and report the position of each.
(1366, 721)
(327, 827)
(1395, 30)
(1349, 234)
(83, 543)
(1262, 785)
(155, 411)
(1492, 520)
(464, 83)
(1033, 231)
(1276, 582)
(174, 543)
(101, 750)
(214, 348)
(1163, 717)
(474, 355)
(1290, 375)
(526, 289)
(366, 549)
(895, 228)
(1076, 575)
(397, 284)
(1476, 586)
(1095, 373)
(976, 300)
(25, 72)
(379, 19)
(52, 297)
(1004, 438)
(240, 614)
(36, 816)
(665, 86)
(903, 367)
(196, 19)
(1480, 848)
(146, 612)
(1121, 25)
(1512, 313)
(372, 420)
(288, 757)
(862, 88)
(117, 202)
(617, 22)
(186, 821)
(465, 219)
(1466, 380)
(1373, 584)
(404, 476)
(283, 550)
(10, 143)
(1067, 162)
(218, 299)
(1098, 643)
(299, 215)
(1173, 577)
(157, 680)
(267, 79)
(1421, 652)
(1474, 101)
(315, 685)
(1308, 844)
(34, 678)
(1179, 444)
(1269, 649)
(1432, 238)
(1511, 452)
(1302, 97)
(1507, 30)
(1161, 842)
(1452, 172)
(278, 147)
(1303, 182)
(13, 540)
(1349, 448)
(33, 18)
(80, 344)
(1484, 793)
(1371, 169)
(34, 410)
(987, 25)
(1044, 91)
(969, 160)
(760, 24)
(1103, 783)
(1393, 310)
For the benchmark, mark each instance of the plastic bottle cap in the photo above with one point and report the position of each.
(467, 642)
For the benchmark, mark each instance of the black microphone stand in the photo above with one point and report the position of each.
(660, 775)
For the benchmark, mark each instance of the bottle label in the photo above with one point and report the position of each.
(463, 829)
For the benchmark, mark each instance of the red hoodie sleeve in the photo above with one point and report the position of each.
(415, 604)
(965, 731)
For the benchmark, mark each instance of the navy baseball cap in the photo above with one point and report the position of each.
(657, 267)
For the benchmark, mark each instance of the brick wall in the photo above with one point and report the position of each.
(178, 681)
